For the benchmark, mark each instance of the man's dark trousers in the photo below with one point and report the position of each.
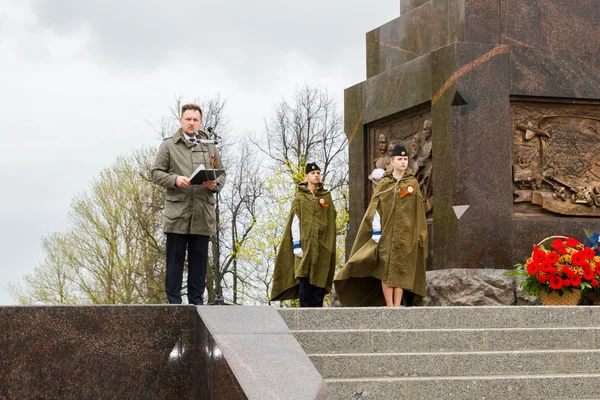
(310, 295)
(197, 250)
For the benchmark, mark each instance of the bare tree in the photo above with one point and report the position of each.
(240, 202)
(308, 127)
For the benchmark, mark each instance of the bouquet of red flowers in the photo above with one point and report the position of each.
(559, 264)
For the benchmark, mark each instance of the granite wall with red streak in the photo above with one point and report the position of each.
(488, 52)
(472, 156)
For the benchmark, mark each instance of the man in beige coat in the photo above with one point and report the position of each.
(189, 215)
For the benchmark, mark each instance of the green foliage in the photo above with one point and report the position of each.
(257, 257)
(113, 250)
(530, 286)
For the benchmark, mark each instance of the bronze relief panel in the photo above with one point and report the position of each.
(414, 132)
(556, 158)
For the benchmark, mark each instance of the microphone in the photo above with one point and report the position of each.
(205, 141)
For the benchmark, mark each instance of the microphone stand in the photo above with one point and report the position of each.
(218, 301)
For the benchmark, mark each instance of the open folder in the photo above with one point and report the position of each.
(201, 174)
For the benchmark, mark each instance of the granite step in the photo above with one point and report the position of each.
(388, 365)
(445, 340)
(341, 318)
(453, 352)
(545, 386)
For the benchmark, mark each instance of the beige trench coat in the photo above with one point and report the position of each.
(190, 210)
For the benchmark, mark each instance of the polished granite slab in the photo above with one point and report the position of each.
(161, 351)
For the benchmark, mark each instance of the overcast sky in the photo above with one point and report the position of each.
(81, 81)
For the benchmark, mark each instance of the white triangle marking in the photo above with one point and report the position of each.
(459, 210)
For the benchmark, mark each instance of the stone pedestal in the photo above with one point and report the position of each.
(153, 352)
(494, 78)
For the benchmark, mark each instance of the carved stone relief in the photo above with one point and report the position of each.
(413, 132)
(556, 159)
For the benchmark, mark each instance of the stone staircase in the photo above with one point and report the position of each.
(527, 352)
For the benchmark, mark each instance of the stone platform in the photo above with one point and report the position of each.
(152, 352)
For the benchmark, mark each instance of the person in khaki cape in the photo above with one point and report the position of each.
(305, 263)
(390, 250)
(189, 214)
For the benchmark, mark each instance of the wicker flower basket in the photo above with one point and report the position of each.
(553, 298)
(570, 297)
(550, 238)
(567, 299)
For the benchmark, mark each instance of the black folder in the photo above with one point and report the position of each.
(204, 175)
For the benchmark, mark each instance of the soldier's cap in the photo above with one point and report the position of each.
(310, 167)
(399, 151)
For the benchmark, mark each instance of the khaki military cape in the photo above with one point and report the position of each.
(401, 255)
(317, 240)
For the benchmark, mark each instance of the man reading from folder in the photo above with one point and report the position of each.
(189, 214)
